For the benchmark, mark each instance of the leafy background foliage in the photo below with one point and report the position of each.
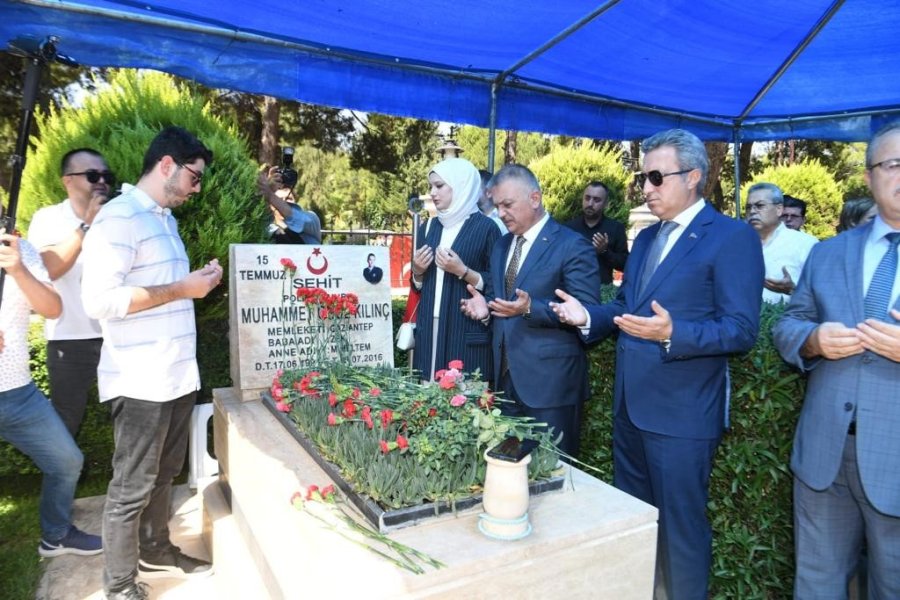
(566, 170)
(120, 121)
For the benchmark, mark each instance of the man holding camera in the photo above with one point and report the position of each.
(292, 224)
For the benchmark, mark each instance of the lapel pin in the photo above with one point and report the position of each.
(693, 235)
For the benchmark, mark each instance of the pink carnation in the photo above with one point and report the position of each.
(456, 364)
(457, 400)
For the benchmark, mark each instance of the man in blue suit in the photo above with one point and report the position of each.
(542, 363)
(841, 327)
(690, 297)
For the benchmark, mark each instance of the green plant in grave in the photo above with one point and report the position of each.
(401, 442)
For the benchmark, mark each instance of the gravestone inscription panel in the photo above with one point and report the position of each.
(271, 328)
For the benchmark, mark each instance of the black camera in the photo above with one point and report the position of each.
(288, 174)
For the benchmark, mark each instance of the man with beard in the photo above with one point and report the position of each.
(606, 235)
(138, 283)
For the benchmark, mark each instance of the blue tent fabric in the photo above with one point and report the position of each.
(620, 69)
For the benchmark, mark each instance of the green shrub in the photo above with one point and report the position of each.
(120, 121)
(566, 171)
(750, 489)
(812, 183)
(474, 142)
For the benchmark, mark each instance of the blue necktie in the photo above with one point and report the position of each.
(655, 252)
(878, 297)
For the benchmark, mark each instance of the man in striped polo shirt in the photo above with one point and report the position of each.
(138, 284)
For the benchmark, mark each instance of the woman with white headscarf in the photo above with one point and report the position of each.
(454, 251)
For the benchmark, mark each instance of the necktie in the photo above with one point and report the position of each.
(655, 252)
(878, 297)
(513, 267)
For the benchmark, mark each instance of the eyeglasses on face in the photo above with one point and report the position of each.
(655, 177)
(891, 165)
(758, 206)
(93, 176)
(196, 176)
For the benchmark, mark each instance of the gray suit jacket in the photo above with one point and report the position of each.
(830, 289)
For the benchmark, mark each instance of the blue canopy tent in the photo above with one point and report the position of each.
(620, 69)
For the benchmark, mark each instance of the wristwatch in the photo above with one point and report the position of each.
(666, 344)
(84, 227)
(463, 276)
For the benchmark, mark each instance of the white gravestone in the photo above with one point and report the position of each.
(271, 329)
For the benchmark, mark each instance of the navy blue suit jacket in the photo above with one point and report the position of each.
(547, 360)
(711, 284)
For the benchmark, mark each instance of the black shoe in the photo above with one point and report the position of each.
(172, 563)
(74, 542)
(134, 591)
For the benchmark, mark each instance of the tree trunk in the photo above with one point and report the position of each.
(746, 153)
(510, 149)
(716, 152)
(268, 146)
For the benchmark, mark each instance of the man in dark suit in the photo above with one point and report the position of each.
(842, 327)
(543, 368)
(690, 297)
(371, 273)
(605, 234)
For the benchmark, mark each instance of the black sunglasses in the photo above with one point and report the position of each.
(93, 176)
(655, 177)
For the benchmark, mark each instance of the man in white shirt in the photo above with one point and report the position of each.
(73, 339)
(784, 250)
(27, 420)
(137, 282)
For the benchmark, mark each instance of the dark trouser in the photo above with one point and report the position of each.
(565, 419)
(672, 474)
(72, 366)
(151, 444)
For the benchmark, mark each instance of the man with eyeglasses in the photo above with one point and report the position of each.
(784, 250)
(73, 339)
(137, 281)
(606, 235)
(842, 327)
(690, 298)
(794, 214)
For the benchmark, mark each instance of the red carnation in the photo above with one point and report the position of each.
(384, 447)
(402, 442)
(456, 364)
(288, 264)
(349, 408)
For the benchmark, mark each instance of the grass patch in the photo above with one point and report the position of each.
(20, 531)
